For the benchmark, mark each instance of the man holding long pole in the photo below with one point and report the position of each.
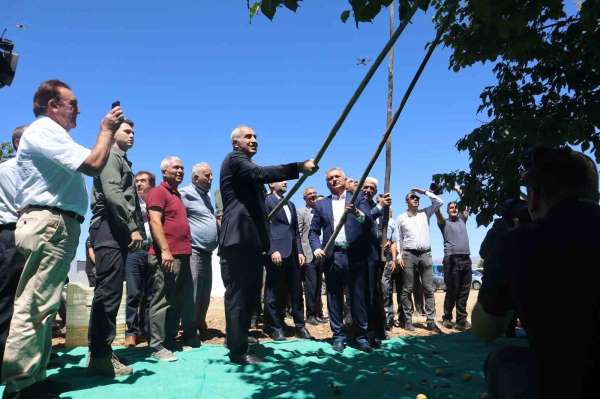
(244, 235)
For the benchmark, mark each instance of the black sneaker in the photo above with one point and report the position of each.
(431, 326)
(447, 324)
(464, 326)
(312, 320)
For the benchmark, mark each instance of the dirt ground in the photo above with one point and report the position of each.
(215, 320)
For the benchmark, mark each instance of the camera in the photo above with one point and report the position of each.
(8, 62)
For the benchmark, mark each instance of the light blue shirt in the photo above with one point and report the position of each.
(201, 217)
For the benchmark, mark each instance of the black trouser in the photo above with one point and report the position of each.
(355, 275)
(241, 271)
(110, 273)
(418, 263)
(287, 275)
(139, 293)
(313, 280)
(11, 266)
(457, 277)
(376, 314)
(510, 373)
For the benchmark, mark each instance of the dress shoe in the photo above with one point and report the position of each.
(130, 341)
(447, 324)
(431, 326)
(277, 335)
(464, 326)
(302, 332)
(252, 340)
(322, 319)
(312, 320)
(364, 347)
(338, 345)
(246, 359)
(408, 326)
(375, 343)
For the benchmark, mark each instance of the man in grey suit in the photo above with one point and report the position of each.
(312, 273)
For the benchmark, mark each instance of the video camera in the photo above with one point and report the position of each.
(8, 62)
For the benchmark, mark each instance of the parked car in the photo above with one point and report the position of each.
(438, 278)
(476, 280)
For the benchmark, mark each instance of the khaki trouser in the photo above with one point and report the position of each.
(168, 297)
(48, 240)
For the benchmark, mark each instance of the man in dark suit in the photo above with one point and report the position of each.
(283, 267)
(375, 294)
(347, 260)
(244, 235)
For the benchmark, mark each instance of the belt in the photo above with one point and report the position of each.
(8, 226)
(417, 251)
(72, 214)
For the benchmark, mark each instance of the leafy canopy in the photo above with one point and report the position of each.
(546, 63)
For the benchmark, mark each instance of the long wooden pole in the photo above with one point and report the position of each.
(385, 137)
(388, 144)
(389, 45)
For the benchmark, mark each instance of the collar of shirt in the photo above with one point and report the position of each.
(338, 197)
(171, 189)
(200, 190)
(286, 208)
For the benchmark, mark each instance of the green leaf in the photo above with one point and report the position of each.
(268, 8)
(345, 15)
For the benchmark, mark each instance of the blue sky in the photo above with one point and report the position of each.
(188, 72)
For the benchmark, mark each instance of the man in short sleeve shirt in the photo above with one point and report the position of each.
(52, 198)
(169, 258)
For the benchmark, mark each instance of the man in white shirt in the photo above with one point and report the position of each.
(415, 254)
(52, 199)
(11, 261)
(345, 262)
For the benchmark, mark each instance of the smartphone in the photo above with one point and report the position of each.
(115, 104)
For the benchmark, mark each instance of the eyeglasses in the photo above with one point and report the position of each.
(72, 103)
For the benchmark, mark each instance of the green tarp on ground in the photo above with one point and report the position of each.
(404, 367)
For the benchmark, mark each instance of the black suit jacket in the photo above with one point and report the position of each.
(242, 182)
(285, 237)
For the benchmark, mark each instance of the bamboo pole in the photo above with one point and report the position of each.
(389, 45)
(385, 137)
(388, 144)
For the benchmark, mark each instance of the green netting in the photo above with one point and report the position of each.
(433, 365)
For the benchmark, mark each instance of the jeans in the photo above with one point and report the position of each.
(457, 277)
(418, 263)
(139, 294)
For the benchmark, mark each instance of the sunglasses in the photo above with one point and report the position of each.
(414, 197)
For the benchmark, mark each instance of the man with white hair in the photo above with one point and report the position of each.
(244, 235)
(203, 225)
(345, 262)
(169, 258)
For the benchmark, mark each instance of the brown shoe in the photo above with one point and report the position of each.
(130, 341)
